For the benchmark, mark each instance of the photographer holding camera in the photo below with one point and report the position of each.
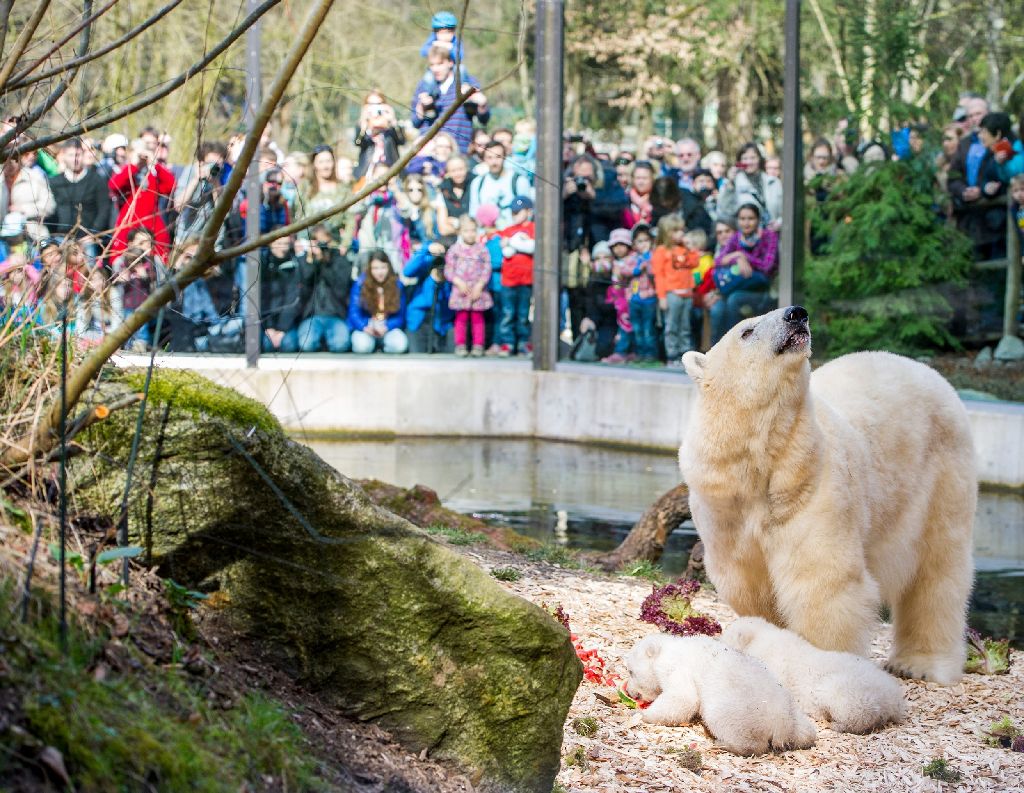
(593, 203)
(139, 187)
(436, 92)
(198, 189)
(379, 134)
(326, 277)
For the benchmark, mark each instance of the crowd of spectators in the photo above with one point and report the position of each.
(665, 247)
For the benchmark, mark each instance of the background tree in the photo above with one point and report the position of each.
(889, 267)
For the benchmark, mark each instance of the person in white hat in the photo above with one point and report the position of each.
(115, 154)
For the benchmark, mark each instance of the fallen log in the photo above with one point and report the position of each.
(646, 540)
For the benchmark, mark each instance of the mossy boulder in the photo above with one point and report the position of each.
(393, 626)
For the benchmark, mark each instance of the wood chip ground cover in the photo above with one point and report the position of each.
(627, 755)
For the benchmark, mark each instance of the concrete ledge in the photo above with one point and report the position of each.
(322, 394)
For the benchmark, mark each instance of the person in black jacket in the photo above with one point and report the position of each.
(593, 203)
(326, 276)
(978, 193)
(82, 200)
(280, 296)
(379, 134)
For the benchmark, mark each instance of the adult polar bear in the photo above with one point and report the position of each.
(820, 496)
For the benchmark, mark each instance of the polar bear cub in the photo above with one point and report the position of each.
(851, 692)
(737, 698)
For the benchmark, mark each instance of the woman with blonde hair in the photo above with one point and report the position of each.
(419, 212)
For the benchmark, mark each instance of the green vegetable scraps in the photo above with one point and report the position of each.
(627, 700)
(986, 656)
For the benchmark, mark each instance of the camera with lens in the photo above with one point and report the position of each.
(323, 245)
(430, 107)
(378, 110)
(216, 170)
(582, 183)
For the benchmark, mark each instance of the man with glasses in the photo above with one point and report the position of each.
(688, 157)
(273, 208)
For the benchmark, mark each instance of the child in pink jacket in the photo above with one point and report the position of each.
(468, 269)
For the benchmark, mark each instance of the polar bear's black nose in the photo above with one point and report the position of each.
(795, 315)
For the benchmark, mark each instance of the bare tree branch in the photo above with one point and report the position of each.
(5, 17)
(56, 48)
(1013, 87)
(946, 71)
(22, 80)
(369, 189)
(150, 98)
(22, 41)
(30, 118)
(42, 438)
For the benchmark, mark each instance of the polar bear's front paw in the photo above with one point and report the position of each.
(669, 712)
(931, 668)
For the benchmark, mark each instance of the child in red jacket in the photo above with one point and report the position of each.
(517, 280)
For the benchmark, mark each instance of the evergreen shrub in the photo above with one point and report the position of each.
(889, 267)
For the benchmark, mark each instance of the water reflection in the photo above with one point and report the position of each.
(589, 497)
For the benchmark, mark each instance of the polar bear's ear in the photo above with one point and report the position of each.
(693, 362)
(653, 649)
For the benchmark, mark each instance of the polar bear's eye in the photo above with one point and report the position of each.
(746, 333)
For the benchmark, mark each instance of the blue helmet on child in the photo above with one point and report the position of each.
(443, 20)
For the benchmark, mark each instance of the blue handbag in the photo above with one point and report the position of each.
(728, 280)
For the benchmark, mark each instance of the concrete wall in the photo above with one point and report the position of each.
(505, 397)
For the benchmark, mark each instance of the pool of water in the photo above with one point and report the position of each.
(589, 497)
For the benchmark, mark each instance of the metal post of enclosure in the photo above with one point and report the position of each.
(1011, 304)
(548, 251)
(254, 193)
(791, 248)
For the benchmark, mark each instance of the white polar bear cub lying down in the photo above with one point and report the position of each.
(737, 698)
(851, 692)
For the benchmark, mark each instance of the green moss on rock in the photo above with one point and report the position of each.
(194, 394)
(390, 624)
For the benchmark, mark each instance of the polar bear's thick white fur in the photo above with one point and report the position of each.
(821, 496)
(847, 690)
(742, 705)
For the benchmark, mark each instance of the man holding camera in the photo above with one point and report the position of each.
(140, 186)
(326, 277)
(593, 203)
(198, 189)
(436, 93)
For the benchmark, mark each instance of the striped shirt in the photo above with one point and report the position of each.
(460, 125)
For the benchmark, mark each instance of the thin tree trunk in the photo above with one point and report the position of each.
(994, 51)
(868, 122)
(524, 89)
(647, 538)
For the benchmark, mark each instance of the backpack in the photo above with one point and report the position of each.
(584, 349)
